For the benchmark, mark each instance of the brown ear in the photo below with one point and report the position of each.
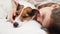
(34, 12)
(20, 6)
(37, 15)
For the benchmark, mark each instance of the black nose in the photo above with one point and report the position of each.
(15, 24)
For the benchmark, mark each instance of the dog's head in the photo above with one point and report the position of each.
(26, 13)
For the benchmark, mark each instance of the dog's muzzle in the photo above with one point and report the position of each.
(15, 24)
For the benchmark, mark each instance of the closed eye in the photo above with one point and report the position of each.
(25, 16)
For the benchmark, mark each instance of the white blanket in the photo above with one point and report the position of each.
(31, 27)
(5, 8)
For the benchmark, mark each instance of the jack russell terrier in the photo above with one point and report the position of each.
(25, 12)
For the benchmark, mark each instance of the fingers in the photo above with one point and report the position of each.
(12, 17)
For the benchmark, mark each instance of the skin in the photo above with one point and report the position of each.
(46, 19)
(55, 26)
(13, 13)
(45, 14)
(14, 6)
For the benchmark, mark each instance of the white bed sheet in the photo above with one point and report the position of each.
(30, 27)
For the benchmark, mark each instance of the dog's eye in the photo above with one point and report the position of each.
(25, 16)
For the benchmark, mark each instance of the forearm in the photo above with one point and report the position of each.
(46, 22)
(12, 16)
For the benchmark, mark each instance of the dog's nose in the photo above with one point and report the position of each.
(15, 24)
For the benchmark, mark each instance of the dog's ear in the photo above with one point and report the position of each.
(19, 7)
(33, 12)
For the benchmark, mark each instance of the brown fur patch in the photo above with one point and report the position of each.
(25, 15)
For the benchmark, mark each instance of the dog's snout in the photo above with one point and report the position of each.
(15, 24)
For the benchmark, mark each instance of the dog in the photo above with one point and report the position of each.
(25, 12)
